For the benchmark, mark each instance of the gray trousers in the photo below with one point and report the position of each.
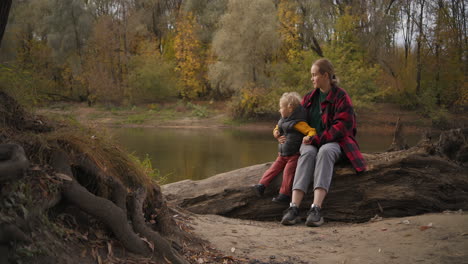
(317, 163)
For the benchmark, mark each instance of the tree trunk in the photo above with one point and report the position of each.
(5, 6)
(418, 49)
(401, 183)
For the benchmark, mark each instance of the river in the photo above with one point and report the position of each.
(196, 154)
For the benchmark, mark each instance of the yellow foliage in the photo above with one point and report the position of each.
(188, 53)
(289, 29)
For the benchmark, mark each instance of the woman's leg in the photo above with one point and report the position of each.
(327, 155)
(304, 172)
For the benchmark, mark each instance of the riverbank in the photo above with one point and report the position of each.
(380, 118)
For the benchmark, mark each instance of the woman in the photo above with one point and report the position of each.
(331, 113)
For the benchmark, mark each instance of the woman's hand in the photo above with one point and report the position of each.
(281, 139)
(277, 135)
(307, 140)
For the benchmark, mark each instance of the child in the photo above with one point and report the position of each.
(293, 126)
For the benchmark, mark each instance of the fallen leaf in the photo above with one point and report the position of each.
(383, 229)
(63, 176)
(200, 261)
(422, 228)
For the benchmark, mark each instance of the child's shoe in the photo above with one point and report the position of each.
(281, 198)
(259, 189)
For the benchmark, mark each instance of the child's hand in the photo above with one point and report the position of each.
(307, 140)
(276, 133)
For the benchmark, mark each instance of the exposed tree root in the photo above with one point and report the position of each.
(139, 224)
(108, 213)
(13, 162)
(119, 193)
(114, 215)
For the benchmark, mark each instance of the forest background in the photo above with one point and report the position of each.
(144, 52)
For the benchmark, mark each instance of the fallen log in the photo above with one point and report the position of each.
(424, 178)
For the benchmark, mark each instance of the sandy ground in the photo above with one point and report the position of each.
(430, 238)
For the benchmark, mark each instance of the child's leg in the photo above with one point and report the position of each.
(288, 175)
(274, 170)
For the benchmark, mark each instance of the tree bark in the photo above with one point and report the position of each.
(5, 6)
(140, 226)
(418, 49)
(400, 183)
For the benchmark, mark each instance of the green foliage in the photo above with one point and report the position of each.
(294, 74)
(151, 77)
(440, 119)
(25, 85)
(244, 45)
(249, 103)
(198, 110)
(357, 75)
(147, 166)
(136, 119)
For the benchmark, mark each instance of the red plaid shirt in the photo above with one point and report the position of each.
(339, 121)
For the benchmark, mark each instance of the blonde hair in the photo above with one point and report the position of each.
(291, 99)
(325, 66)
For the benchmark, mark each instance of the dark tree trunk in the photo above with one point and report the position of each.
(5, 6)
(418, 48)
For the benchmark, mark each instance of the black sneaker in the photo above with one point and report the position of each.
(314, 218)
(291, 216)
(259, 189)
(282, 199)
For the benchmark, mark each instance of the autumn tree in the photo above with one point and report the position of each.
(189, 55)
(102, 63)
(289, 20)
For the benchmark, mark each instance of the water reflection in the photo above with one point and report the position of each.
(200, 153)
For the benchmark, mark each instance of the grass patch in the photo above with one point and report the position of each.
(199, 111)
(137, 118)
